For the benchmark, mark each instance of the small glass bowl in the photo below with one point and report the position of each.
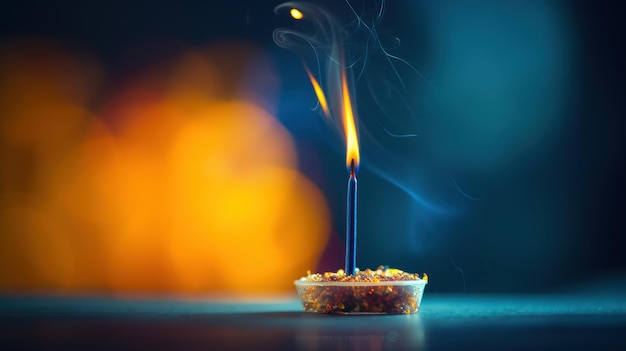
(383, 297)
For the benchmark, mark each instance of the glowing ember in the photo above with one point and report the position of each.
(296, 14)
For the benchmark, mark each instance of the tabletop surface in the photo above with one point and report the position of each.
(444, 322)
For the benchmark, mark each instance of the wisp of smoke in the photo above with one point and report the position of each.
(382, 83)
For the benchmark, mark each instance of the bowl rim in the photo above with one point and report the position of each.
(414, 282)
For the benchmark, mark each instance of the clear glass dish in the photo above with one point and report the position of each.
(383, 297)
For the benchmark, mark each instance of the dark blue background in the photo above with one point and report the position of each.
(552, 218)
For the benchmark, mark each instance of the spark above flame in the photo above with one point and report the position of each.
(296, 14)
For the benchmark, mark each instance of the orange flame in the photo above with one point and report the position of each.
(349, 126)
(347, 116)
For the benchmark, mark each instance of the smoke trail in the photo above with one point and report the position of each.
(383, 83)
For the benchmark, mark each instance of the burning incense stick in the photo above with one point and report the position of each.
(351, 222)
(352, 161)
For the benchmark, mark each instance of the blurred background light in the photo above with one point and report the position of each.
(180, 180)
(163, 147)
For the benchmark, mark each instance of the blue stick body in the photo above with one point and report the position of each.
(351, 225)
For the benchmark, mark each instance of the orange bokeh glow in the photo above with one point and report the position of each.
(174, 185)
